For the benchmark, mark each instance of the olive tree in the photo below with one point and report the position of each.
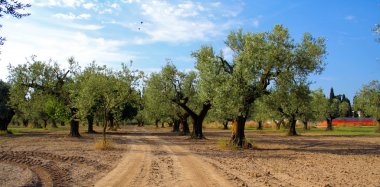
(49, 79)
(260, 59)
(291, 100)
(367, 100)
(107, 90)
(6, 112)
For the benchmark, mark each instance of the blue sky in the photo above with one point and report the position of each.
(111, 32)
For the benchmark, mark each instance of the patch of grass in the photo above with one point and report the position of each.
(25, 130)
(4, 133)
(104, 145)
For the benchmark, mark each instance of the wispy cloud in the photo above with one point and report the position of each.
(350, 18)
(59, 3)
(58, 45)
(89, 5)
(188, 21)
(71, 16)
(256, 21)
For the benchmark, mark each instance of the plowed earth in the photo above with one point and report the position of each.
(156, 157)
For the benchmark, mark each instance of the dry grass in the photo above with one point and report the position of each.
(104, 145)
(226, 144)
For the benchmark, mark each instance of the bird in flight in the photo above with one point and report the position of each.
(141, 24)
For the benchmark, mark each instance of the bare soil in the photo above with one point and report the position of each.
(156, 157)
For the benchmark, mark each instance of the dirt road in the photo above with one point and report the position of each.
(152, 161)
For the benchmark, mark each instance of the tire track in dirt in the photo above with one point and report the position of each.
(132, 169)
(152, 161)
(48, 173)
(46, 165)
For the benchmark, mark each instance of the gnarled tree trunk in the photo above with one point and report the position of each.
(292, 129)
(238, 136)
(4, 124)
(176, 125)
(329, 124)
(260, 125)
(25, 122)
(225, 125)
(278, 123)
(305, 123)
(45, 123)
(74, 128)
(156, 123)
(378, 125)
(90, 123)
(54, 124)
(185, 130)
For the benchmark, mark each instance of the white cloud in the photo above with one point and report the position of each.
(175, 23)
(85, 27)
(59, 3)
(349, 18)
(56, 44)
(115, 5)
(89, 5)
(131, 1)
(71, 16)
(256, 21)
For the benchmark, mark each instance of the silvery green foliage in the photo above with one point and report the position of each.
(368, 100)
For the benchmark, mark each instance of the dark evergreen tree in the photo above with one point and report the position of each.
(332, 95)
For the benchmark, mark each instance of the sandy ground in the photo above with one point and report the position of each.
(156, 157)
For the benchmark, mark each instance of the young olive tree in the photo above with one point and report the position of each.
(107, 90)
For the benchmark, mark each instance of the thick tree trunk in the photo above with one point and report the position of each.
(292, 129)
(45, 123)
(176, 126)
(278, 123)
(36, 124)
(260, 125)
(112, 125)
(162, 124)
(305, 123)
(156, 123)
(4, 124)
(74, 128)
(238, 136)
(329, 124)
(170, 124)
(90, 122)
(54, 124)
(62, 123)
(25, 122)
(185, 130)
(197, 128)
(225, 125)
(378, 125)
(197, 118)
